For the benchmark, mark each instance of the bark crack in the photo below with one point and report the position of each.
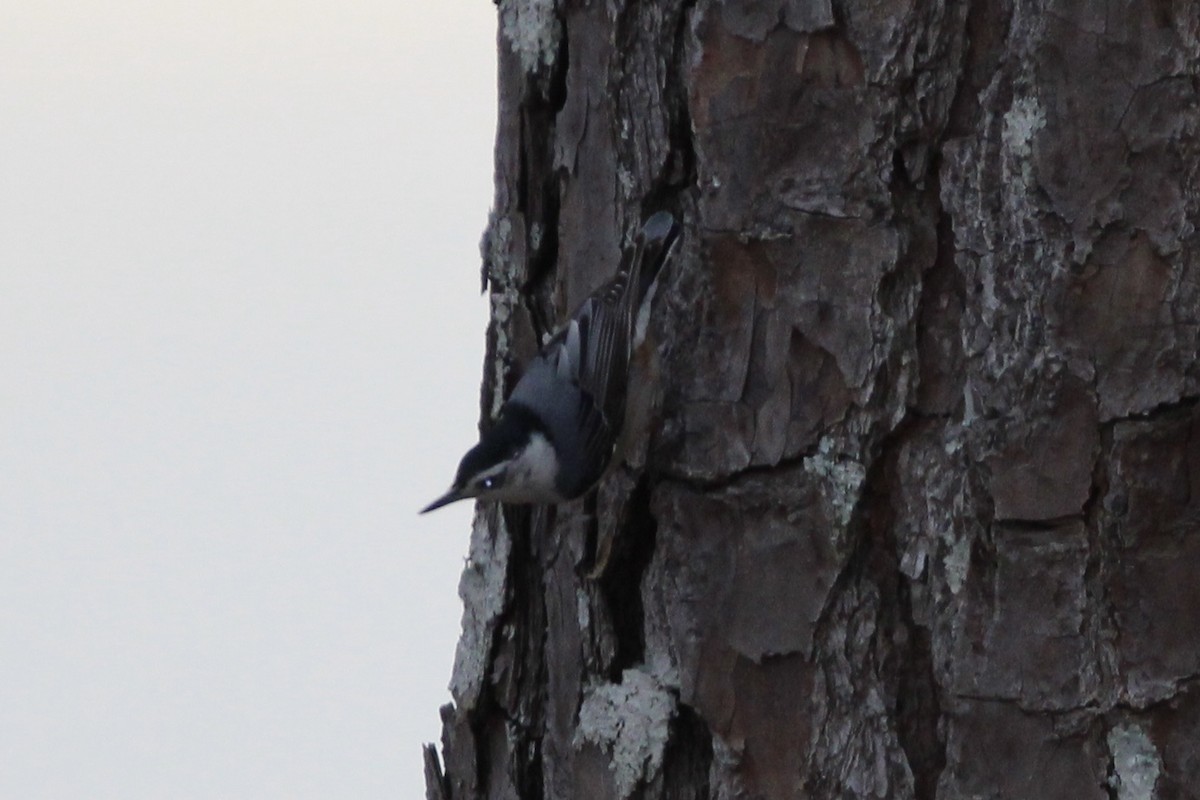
(1181, 404)
(621, 582)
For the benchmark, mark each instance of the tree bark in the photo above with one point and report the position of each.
(917, 513)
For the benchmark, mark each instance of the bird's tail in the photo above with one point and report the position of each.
(654, 244)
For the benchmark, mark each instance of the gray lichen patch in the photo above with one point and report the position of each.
(630, 722)
(533, 31)
(504, 304)
(1021, 124)
(1136, 763)
(842, 476)
(957, 561)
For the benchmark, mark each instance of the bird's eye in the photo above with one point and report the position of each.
(487, 483)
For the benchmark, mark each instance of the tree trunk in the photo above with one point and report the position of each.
(917, 513)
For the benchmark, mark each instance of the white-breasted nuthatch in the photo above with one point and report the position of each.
(556, 433)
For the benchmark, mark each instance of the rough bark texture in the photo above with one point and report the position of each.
(917, 513)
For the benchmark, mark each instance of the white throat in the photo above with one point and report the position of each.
(531, 474)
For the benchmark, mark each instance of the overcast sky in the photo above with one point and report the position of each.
(240, 346)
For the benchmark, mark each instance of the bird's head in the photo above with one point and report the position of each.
(499, 466)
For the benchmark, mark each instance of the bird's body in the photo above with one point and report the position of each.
(555, 434)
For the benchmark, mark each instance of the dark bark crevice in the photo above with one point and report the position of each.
(621, 582)
(903, 648)
(687, 760)
(679, 172)
(540, 185)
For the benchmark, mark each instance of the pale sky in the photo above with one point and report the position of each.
(241, 341)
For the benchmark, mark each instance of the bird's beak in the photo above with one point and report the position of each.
(449, 497)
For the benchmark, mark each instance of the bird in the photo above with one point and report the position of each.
(556, 433)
